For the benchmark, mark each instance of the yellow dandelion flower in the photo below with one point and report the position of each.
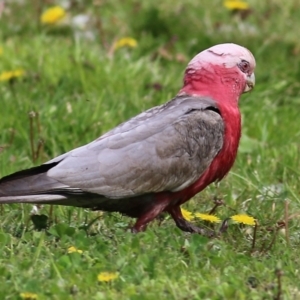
(8, 75)
(207, 217)
(244, 219)
(236, 5)
(73, 249)
(53, 15)
(187, 214)
(107, 276)
(125, 42)
(28, 296)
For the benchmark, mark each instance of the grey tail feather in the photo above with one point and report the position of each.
(35, 187)
(28, 172)
(32, 181)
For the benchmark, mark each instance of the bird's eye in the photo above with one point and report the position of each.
(244, 66)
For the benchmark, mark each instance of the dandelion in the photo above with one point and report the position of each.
(236, 5)
(187, 214)
(28, 296)
(9, 75)
(73, 249)
(244, 219)
(53, 15)
(125, 42)
(207, 217)
(107, 276)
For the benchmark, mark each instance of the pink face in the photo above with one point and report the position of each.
(226, 57)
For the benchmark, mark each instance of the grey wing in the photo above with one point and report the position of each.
(168, 153)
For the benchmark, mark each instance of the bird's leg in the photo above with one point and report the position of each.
(157, 206)
(184, 225)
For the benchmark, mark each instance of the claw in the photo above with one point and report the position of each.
(184, 225)
(224, 226)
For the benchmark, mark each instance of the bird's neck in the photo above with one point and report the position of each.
(222, 85)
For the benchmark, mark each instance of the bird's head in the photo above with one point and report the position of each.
(224, 68)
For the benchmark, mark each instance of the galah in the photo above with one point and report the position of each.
(157, 160)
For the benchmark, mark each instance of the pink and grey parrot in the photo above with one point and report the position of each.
(157, 160)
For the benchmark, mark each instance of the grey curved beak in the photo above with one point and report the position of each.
(250, 83)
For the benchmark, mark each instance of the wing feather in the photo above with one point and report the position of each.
(166, 148)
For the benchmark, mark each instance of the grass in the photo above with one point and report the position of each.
(75, 89)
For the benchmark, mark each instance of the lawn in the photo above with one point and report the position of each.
(66, 82)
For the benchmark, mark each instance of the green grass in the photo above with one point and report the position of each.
(78, 91)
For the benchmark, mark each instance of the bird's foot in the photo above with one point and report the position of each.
(187, 226)
(184, 225)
